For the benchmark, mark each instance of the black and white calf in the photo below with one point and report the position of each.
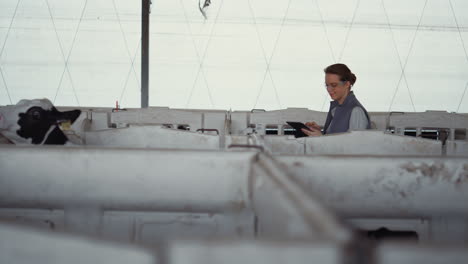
(35, 122)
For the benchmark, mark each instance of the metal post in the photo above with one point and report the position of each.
(145, 11)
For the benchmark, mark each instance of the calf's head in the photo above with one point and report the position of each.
(35, 122)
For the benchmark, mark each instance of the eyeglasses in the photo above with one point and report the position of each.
(334, 85)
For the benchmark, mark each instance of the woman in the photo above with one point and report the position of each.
(346, 113)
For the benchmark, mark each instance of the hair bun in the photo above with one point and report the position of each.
(342, 71)
(352, 79)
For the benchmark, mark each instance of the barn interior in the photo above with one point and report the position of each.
(85, 179)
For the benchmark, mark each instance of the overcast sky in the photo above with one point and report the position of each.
(264, 54)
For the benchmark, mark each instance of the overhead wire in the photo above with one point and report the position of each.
(203, 59)
(398, 54)
(270, 59)
(69, 54)
(464, 49)
(130, 72)
(62, 53)
(3, 49)
(325, 31)
(202, 71)
(267, 63)
(349, 30)
(406, 61)
(132, 58)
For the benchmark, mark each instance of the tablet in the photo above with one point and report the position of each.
(297, 126)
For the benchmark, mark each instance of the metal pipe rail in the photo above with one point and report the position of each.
(385, 187)
(123, 179)
(95, 186)
(285, 209)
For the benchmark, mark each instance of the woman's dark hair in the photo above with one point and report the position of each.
(343, 71)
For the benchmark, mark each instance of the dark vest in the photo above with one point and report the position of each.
(342, 115)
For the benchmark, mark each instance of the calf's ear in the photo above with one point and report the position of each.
(73, 115)
(66, 115)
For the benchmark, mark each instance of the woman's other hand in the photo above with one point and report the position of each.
(313, 125)
(314, 131)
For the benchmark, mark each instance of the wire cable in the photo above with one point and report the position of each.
(325, 31)
(463, 96)
(398, 54)
(464, 49)
(63, 55)
(329, 45)
(194, 46)
(406, 61)
(130, 57)
(268, 71)
(69, 54)
(130, 72)
(349, 31)
(203, 59)
(3, 49)
(271, 57)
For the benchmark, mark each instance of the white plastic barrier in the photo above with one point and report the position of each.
(351, 143)
(143, 195)
(138, 195)
(278, 118)
(215, 123)
(151, 137)
(124, 179)
(153, 227)
(136, 226)
(254, 251)
(429, 119)
(271, 251)
(373, 187)
(239, 121)
(158, 116)
(284, 145)
(390, 253)
(236, 122)
(194, 119)
(457, 148)
(99, 120)
(276, 145)
(285, 210)
(379, 120)
(371, 143)
(20, 245)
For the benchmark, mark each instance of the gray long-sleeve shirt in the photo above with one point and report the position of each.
(358, 119)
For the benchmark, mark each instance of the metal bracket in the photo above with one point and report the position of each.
(208, 129)
(246, 146)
